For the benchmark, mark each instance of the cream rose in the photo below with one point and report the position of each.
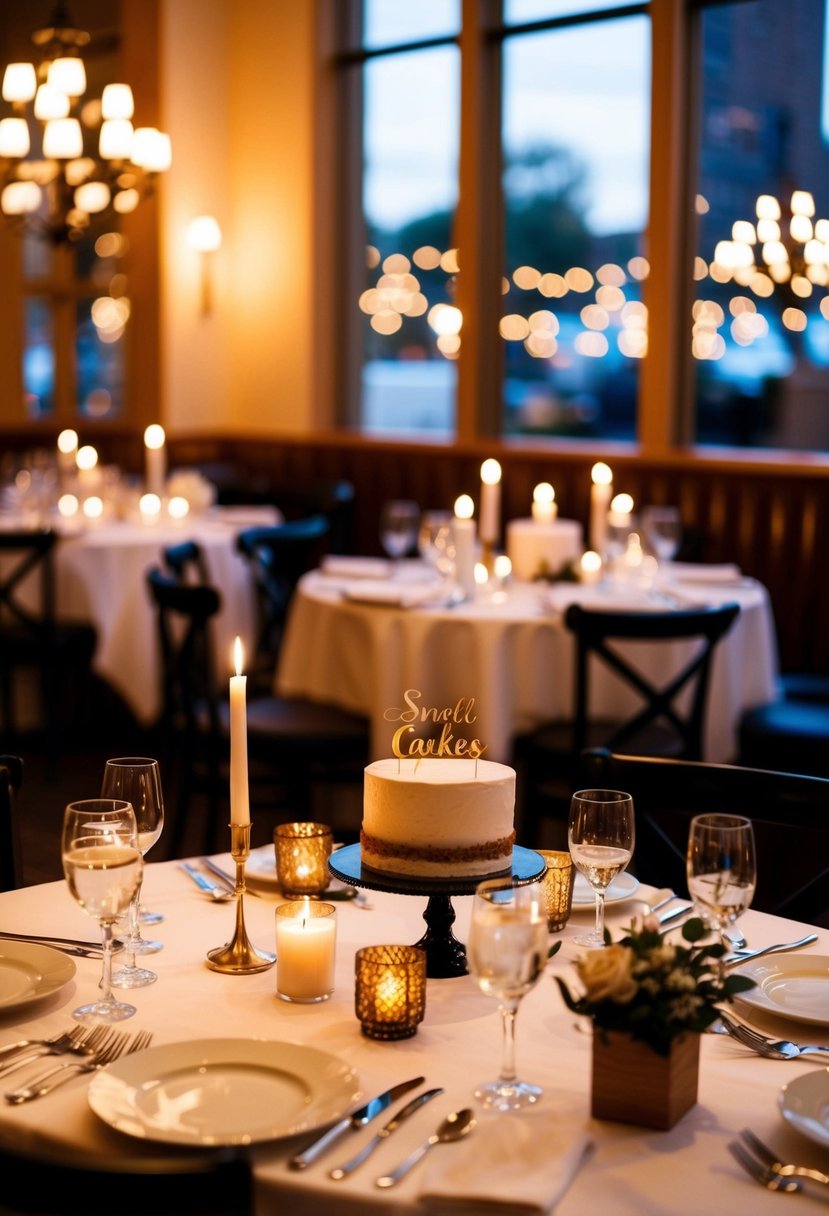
(607, 975)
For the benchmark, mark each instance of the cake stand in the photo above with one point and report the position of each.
(445, 955)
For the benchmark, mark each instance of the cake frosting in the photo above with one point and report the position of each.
(438, 818)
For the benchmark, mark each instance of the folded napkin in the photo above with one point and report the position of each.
(355, 567)
(394, 594)
(517, 1162)
(607, 597)
(697, 572)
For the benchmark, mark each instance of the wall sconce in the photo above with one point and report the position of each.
(205, 235)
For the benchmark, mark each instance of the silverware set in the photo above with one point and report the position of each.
(109, 1045)
(80, 1040)
(761, 1164)
(767, 1045)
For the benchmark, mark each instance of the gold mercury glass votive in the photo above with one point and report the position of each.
(558, 888)
(390, 992)
(302, 852)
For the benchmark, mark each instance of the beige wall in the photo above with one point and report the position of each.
(239, 108)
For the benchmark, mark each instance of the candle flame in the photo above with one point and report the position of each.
(238, 656)
(490, 472)
(464, 507)
(154, 436)
(68, 441)
(601, 474)
(544, 493)
(622, 503)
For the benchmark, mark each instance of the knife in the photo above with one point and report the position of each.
(675, 913)
(342, 1171)
(204, 883)
(70, 945)
(359, 1118)
(737, 960)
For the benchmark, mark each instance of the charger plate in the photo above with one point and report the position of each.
(223, 1091)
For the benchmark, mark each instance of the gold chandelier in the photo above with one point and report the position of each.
(91, 161)
(776, 251)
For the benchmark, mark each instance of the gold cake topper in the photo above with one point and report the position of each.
(448, 744)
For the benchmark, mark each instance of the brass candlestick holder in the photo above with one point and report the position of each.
(239, 957)
(488, 557)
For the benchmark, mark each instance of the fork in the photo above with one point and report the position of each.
(766, 1155)
(773, 1049)
(22, 1044)
(782, 1178)
(116, 1044)
(80, 1040)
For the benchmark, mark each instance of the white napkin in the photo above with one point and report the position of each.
(607, 597)
(697, 572)
(516, 1162)
(342, 566)
(399, 595)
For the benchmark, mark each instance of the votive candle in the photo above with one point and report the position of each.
(306, 939)
(390, 990)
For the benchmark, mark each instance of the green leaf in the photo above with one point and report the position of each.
(554, 949)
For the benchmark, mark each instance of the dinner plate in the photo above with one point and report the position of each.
(621, 888)
(261, 868)
(29, 972)
(223, 1091)
(793, 986)
(804, 1103)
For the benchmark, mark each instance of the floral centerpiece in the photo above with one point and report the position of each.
(650, 999)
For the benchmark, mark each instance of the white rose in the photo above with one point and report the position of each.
(608, 975)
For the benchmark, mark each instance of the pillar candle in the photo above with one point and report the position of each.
(306, 938)
(545, 508)
(601, 492)
(490, 525)
(67, 451)
(463, 530)
(155, 460)
(239, 793)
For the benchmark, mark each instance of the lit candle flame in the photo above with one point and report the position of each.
(238, 656)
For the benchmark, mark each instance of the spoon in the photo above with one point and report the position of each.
(453, 1127)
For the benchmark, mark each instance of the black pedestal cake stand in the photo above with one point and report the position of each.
(445, 955)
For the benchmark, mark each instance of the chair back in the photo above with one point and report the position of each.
(279, 555)
(788, 812)
(27, 584)
(11, 779)
(184, 612)
(673, 709)
(186, 562)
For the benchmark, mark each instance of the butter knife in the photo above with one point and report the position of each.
(342, 1171)
(358, 1118)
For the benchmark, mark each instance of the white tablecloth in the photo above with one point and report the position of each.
(633, 1171)
(510, 651)
(100, 578)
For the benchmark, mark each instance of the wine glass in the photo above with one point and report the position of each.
(434, 539)
(136, 779)
(721, 867)
(399, 522)
(600, 834)
(507, 952)
(662, 527)
(103, 866)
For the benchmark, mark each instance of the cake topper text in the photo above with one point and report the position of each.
(448, 743)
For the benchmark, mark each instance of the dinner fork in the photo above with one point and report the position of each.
(81, 1040)
(774, 1049)
(116, 1044)
(782, 1178)
(770, 1160)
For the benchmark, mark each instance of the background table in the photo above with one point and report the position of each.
(634, 1171)
(510, 651)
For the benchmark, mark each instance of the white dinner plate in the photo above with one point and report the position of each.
(621, 888)
(29, 972)
(223, 1091)
(261, 868)
(804, 1102)
(793, 986)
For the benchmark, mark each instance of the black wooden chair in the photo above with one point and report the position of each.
(293, 745)
(669, 719)
(11, 863)
(791, 733)
(186, 561)
(789, 813)
(31, 638)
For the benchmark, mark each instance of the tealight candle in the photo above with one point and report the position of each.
(490, 501)
(390, 990)
(155, 459)
(306, 938)
(463, 531)
(544, 508)
(239, 793)
(601, 492)
(302, 851)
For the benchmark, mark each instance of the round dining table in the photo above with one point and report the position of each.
(378, 639)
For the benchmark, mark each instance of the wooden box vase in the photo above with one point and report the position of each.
(631, 1083)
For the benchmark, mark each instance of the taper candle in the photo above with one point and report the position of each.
(601, 492)
(155, 459)
(490, 524)
(239, 793)
(463, 531)
(545, 507)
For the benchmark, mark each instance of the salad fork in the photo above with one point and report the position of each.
(115, 1044)
(778, 1177)
(774, 1049)
(80, 1040)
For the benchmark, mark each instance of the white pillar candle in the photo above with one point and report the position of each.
(490, 525)
(306, 939)
(601, 492)
(239, 793)
(155, 459)
(620, 514)
(463, 530)
(545, 507)
(590, 567)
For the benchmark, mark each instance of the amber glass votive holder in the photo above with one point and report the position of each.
(390, 992)
(558, 888)
(302, 852)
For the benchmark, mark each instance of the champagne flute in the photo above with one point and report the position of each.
(103, 866)
(721, 867)
(399, 522)
(662, 527)
(136, 779)
(600, 834)
(507, 952)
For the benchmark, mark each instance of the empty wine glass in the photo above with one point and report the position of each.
(399, 522)
(136, 779)
(507, 952)
(662, 528)
(721, 867)
(600, 834)
(103, 866)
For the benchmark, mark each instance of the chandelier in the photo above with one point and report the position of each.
(67, 161)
